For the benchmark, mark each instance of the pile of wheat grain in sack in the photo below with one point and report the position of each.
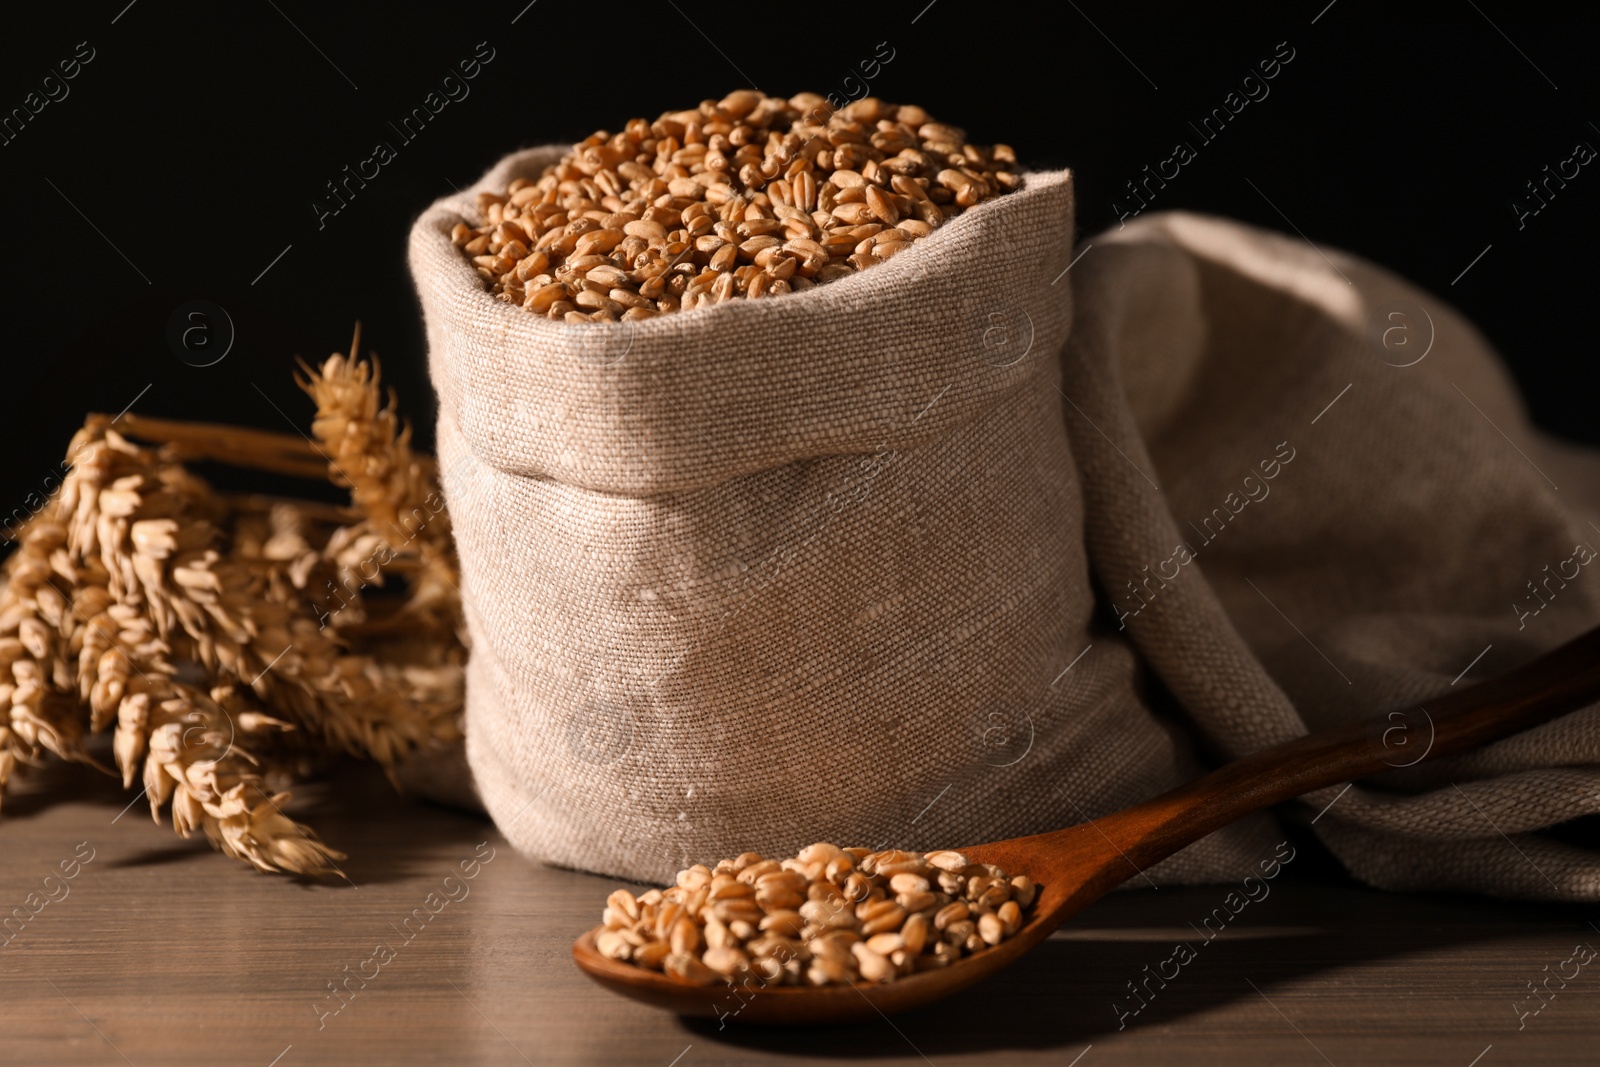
(814, 539)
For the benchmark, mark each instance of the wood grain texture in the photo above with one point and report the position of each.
(178, 956)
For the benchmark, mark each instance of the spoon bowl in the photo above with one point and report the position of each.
(1076, 866)
(760, 1002)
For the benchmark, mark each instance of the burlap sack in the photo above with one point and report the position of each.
(786, 570)
(1421, 536)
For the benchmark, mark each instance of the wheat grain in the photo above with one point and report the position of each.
(654, 218)
(826, 916)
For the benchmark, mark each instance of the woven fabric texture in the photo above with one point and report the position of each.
(777, 571)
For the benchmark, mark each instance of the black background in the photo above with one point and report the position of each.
(189, 150)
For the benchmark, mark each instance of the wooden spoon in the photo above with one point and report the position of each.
(1076, 866)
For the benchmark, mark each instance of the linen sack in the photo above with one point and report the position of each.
(786, 570)
(1311, 495)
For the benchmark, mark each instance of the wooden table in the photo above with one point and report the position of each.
(161, 952)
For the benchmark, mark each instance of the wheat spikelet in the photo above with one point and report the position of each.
(232, 640)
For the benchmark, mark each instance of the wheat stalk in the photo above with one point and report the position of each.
(233, 640)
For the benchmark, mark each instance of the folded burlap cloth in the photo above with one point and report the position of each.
(1421, 528)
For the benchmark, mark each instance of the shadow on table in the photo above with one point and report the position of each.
(33, 790)
(352, 806)
(1074, 989)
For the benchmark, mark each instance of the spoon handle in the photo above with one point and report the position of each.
(1555, 683)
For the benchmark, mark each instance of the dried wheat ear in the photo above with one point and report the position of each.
(233, 642)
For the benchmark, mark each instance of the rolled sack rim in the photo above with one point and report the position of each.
(650, 406)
